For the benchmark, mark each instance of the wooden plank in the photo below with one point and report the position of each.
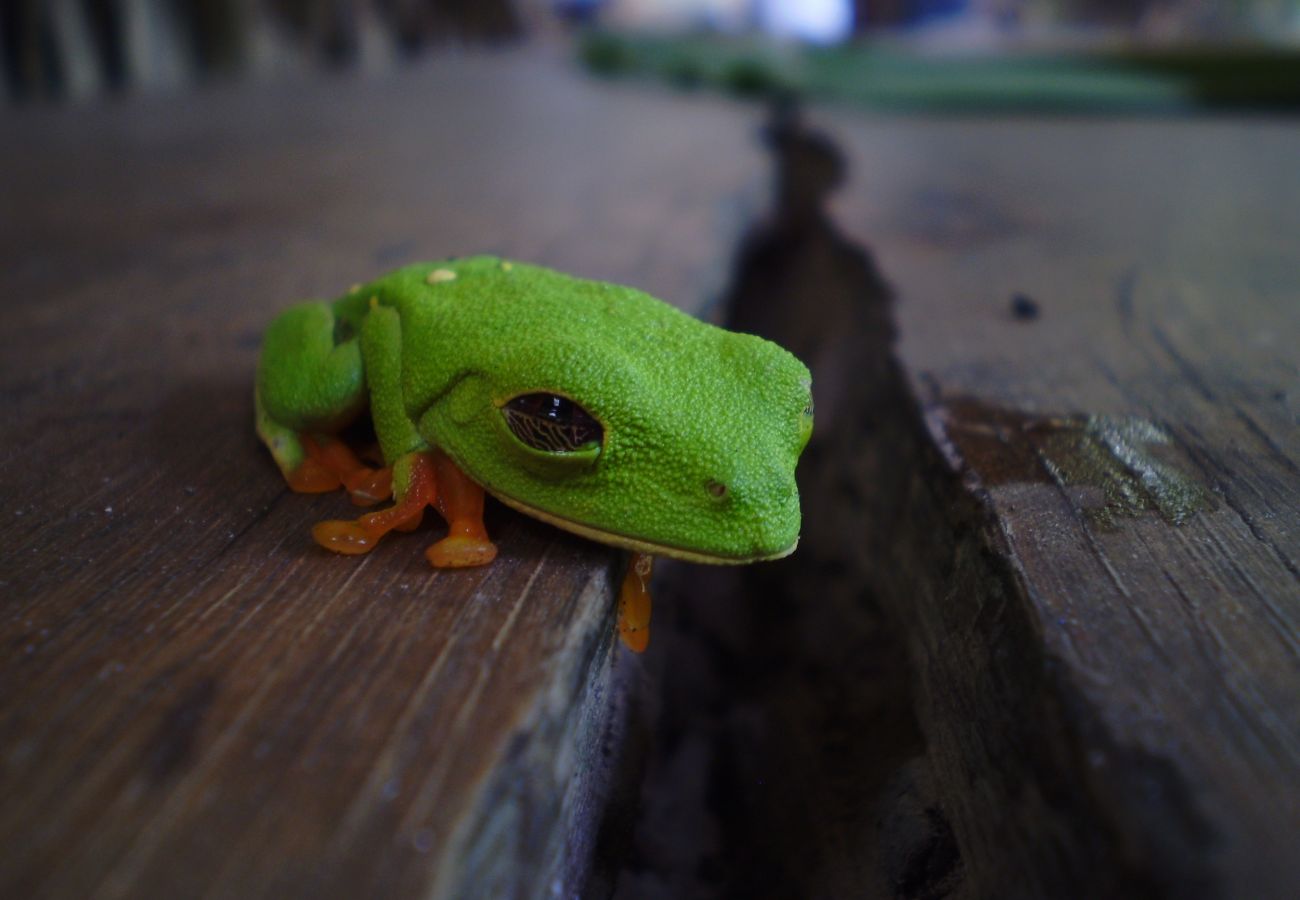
(196, 701)
(1099, 321)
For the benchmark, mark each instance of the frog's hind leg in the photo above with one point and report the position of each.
(366, 486)
(301, 472)
(311, 381)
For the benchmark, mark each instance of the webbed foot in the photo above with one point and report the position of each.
(457, 551)
(310, 477)
(431, 479)
(360, 535)
(366, 486)
(461, 503)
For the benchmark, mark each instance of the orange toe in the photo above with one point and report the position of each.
(351, 538)
(370, 486)
(459, 551)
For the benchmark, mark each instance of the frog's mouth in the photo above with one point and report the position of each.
(636, 544)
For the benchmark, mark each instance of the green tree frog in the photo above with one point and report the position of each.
(591, 406)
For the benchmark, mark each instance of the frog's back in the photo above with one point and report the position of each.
(494, 294)
(464, 315)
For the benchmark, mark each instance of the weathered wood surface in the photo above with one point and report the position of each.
(195, 700)
(1101, 324)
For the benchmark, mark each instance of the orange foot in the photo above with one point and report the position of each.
(312, 478)
(460, 501)
(434, 481)
(331, 464)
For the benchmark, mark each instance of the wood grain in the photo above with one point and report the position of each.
(1138, 672)
(195, 700)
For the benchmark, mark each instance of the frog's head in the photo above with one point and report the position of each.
(631, 423)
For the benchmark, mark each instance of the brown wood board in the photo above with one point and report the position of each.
(194, 699)
(1100, 321)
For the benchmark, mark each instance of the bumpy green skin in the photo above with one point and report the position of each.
(687, 408)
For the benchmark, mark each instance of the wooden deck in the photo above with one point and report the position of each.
(1099, 322)
(197, 700)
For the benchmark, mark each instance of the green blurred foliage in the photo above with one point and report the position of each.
(890, 78)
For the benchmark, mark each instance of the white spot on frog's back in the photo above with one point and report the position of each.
(437, 276)
(506, 265)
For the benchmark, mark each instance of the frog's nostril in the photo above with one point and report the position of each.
(717, 489)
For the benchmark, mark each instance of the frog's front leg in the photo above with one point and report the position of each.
(421, 476)
(460, 501)
(416, 489)
(421, 479)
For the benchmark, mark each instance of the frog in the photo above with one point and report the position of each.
(591, 406)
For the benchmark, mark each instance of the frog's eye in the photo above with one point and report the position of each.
(551, 423)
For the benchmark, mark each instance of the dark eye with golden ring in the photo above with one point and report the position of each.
(551, 423)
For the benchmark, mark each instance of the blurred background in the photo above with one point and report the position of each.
(902, 54)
